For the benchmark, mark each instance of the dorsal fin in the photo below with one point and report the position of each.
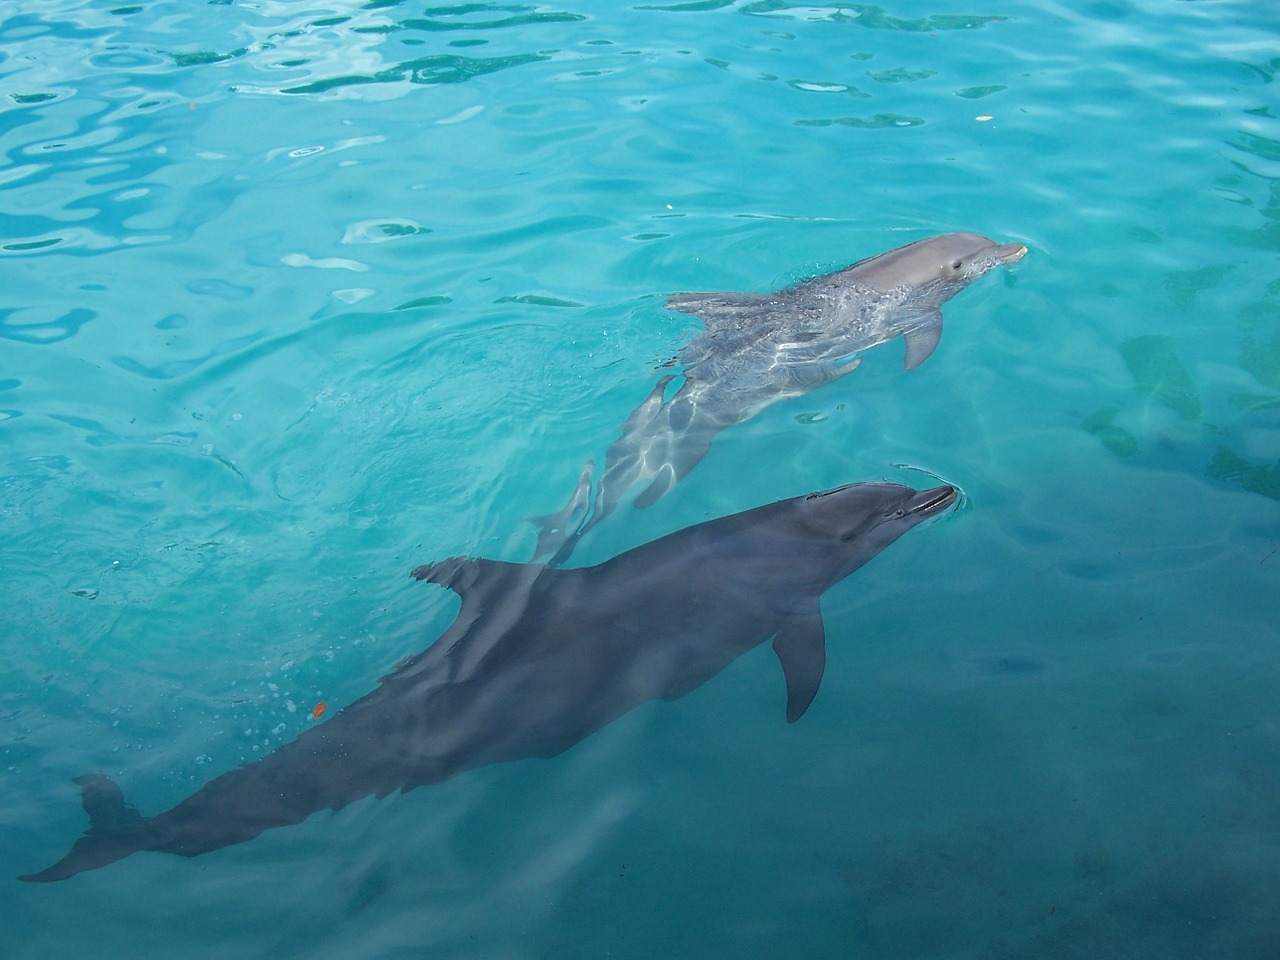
(712, 308)
(464, 574)
(444, 572)
(480, 583)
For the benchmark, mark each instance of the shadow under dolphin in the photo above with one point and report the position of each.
(758, 349)
(538, 659)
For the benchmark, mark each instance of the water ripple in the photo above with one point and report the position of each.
(13, 327)
(441, 68)
(240, 48)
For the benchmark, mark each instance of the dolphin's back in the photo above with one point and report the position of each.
(710, 307)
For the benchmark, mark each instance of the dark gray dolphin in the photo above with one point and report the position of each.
(538, 659)
(757, 349)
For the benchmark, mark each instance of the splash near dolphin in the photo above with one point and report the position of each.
(758, 349)
(538, 659)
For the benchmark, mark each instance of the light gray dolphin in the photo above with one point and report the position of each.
(538, 659)
(758, 349)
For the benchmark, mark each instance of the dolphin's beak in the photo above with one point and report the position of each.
(928, 502)
(1008, 253)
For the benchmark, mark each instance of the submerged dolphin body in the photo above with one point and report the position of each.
(757, 349)
(538, 659)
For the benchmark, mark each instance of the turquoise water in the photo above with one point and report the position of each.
(298, 296)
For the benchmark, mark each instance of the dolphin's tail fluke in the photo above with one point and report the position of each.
(116, 829)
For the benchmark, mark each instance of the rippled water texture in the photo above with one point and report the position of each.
(294, 297)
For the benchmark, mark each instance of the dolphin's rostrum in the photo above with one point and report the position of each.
(757, 349)
(538, 659)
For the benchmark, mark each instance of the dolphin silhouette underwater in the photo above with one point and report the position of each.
(539, 658)
(758, 349)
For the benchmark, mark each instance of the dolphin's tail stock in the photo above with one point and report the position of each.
(116, 829)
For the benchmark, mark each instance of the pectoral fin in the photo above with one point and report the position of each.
(800, 644)
(922, 339)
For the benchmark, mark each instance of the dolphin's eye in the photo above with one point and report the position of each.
(957, 265)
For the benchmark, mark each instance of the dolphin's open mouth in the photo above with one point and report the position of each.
(996, 255)
(1008, 253)
(928, 502)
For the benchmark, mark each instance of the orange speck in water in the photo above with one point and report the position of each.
(318, 710)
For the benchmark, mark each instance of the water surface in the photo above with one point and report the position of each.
(296, 297)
